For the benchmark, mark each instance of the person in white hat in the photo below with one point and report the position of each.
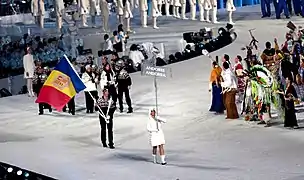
(90, 80)
(157, 137)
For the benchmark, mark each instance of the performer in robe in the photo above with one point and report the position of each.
(214, 11)
(176, 7)
(38, 11)
(93, 11)
(59, 8)
(217, 105)
(105, 12)
(107, 106)
(230, 9)
(143, 7)
(155, 14)
(230, 87)
(83, 11)
(29, 69)
(193, 9)
(127, 14)
(157, 138)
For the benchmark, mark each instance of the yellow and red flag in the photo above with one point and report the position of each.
(62, 84)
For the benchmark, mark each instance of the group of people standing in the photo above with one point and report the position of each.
(223, 84)
(276, 80)
(282, 5)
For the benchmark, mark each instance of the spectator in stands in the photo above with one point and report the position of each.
(29, 68)
(108, 45)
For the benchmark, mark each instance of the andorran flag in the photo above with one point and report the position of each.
(62, 84)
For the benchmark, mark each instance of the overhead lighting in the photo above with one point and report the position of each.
(9, 169)
(19, 173)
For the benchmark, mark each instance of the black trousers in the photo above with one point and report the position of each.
(43, 106)
(104, 126)
(89, 101)
(71, 106)
(289, 6)
(125, 91)
(113, 92)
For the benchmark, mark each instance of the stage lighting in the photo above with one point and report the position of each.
(9, 169)
(19, 173)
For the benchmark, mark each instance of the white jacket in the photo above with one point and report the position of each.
(136, 56)
(156, 135)
(86, 79)
(229, 79)
(29, 66)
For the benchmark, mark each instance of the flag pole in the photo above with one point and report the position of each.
(100, 111)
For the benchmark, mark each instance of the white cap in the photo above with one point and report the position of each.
(87, 66)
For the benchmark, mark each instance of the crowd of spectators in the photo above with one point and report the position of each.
(46, 50)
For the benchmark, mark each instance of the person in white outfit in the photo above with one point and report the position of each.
(214, 11)
(128, 15)
(193, 9)
(204, 5)
(119, 10)
(167, 6)
(59, 8)
(176, 6)
(29, 69)
(143, 8)
(83, 8)
(157, 137)
(93, 11)
(230, 8)
(160, 5)
(183, 9)
(105, 12)
(38, 11)
(155, 13)
(89, 79)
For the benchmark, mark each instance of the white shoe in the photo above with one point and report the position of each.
(84, 25)
(177, 16)
(185, 18)
(215, 22)
(193, 19)
(208, 21)
(154, 159)
(230, 22)
(144, 26)
(202, 20)
(156, 27)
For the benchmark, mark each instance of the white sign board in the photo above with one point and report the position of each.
(148, 70)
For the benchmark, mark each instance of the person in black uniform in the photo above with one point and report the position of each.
(41, 75)
(124, 83)
(106, 121)
(71, 106)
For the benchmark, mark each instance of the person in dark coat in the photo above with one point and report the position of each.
(71, 106)
(41, 75)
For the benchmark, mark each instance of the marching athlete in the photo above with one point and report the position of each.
(41, 75)
(124, 83)
(157, 138)
(107, 107)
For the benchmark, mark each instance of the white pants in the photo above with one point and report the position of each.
(29, 83)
